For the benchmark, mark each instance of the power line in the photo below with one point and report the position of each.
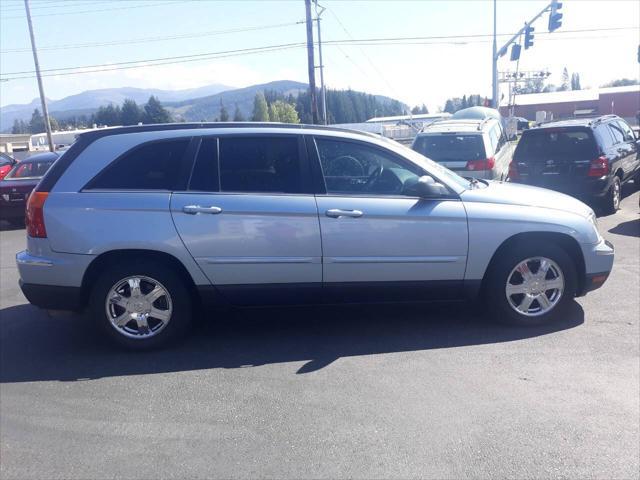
(208, 55)
(157, 62)
(82, 3)
(157, 39)
(101, 10)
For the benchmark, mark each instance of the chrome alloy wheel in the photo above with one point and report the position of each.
(615, 193)
(138, 307)
(534, 287)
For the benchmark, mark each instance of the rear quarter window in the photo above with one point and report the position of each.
(151, 166)
(556, 144)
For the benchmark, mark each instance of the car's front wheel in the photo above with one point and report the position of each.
(140, 305)
(530, 284)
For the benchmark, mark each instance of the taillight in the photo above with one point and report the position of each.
(35, 214)
(486, 164)
(513, 171)
(599, 167)
(4, 170)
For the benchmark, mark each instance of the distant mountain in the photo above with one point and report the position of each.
(90, 100)
(208, 108)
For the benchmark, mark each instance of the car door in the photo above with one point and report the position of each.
(620, 149)
(503, 153)
(377, 242)
(249, 219)
(629, 147)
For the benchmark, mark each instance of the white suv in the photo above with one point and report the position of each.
(471, 148)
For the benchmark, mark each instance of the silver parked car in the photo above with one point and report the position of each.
(141, 225)
(469, 147)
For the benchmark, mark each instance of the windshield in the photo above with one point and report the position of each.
(30, 169)
(450, 147)
(429, 165)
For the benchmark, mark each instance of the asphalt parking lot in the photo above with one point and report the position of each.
(428, 391)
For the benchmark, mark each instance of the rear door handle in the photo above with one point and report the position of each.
(193, 209)
(337, 213)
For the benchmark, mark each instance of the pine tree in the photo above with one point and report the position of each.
(566, 85)
(237, 115)
(415, 110)
(131, 113)
(260, 108)
(224, 115)
(154, 112)
(575, 81)
(424, 109)
(449, 106)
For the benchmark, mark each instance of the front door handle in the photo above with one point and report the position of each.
(193, 209)
(337, 213)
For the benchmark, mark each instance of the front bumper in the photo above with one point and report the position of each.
(598, 260)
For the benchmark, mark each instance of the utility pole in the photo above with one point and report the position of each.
(45, 110)
(311, 64)
(323, 90)
(494, 71)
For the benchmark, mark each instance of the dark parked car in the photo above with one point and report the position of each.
(587, 158)
(6, 164)
(19, 182)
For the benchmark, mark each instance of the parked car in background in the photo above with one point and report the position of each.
(6, 164)
(587, 158)
(141, 225)
(16, 186)
(471, 148)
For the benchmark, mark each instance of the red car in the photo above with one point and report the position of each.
(16, 186)
(6, 164)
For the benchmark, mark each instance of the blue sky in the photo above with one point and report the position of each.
(413, 73)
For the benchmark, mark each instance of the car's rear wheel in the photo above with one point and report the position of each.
(530, 284)
(140, 305)
(613, 196)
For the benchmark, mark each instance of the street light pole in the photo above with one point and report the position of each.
(45, 110)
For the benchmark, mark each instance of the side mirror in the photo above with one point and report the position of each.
(425, 187)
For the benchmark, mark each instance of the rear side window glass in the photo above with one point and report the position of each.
(30, 169)
(626, 131)
(205, 171)
(260, 164)
(450, 148)
(549, 144)
(605, 137)
(616, 131)
(153, 166)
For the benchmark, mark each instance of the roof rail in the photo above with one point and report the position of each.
(602, 118)
(484, 120)
(201, 125)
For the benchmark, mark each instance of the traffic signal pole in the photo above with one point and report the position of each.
(497, 53)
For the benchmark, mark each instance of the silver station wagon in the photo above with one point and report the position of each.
(142, 227)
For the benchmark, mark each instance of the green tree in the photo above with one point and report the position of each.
(621, 82)
(415, 110)
(36, 124)
(224, 115)
(424, 109)
(566, 82)
(237, 115)
(19, 127)
(131, 113)
(110, 115)
(280, 111)
(260, 108)
(449, 107)
(154, 112)
(575, 81)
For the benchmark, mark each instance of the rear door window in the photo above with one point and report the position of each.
(626, 131)
(616, 131)
(205, 175)
(151, 166)
(451, 147)
(556, 144)
(260, 164)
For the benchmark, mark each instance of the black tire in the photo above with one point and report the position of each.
(611, 201)
(181, 316)
(496, 301)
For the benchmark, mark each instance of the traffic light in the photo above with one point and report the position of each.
(528, 36)
(515, 52)
(555, 18)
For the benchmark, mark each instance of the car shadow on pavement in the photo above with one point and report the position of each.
(629, 229)
(35, 347)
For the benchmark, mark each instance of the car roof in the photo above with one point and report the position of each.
(41, 157)
(579, 122)
(461, 125)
